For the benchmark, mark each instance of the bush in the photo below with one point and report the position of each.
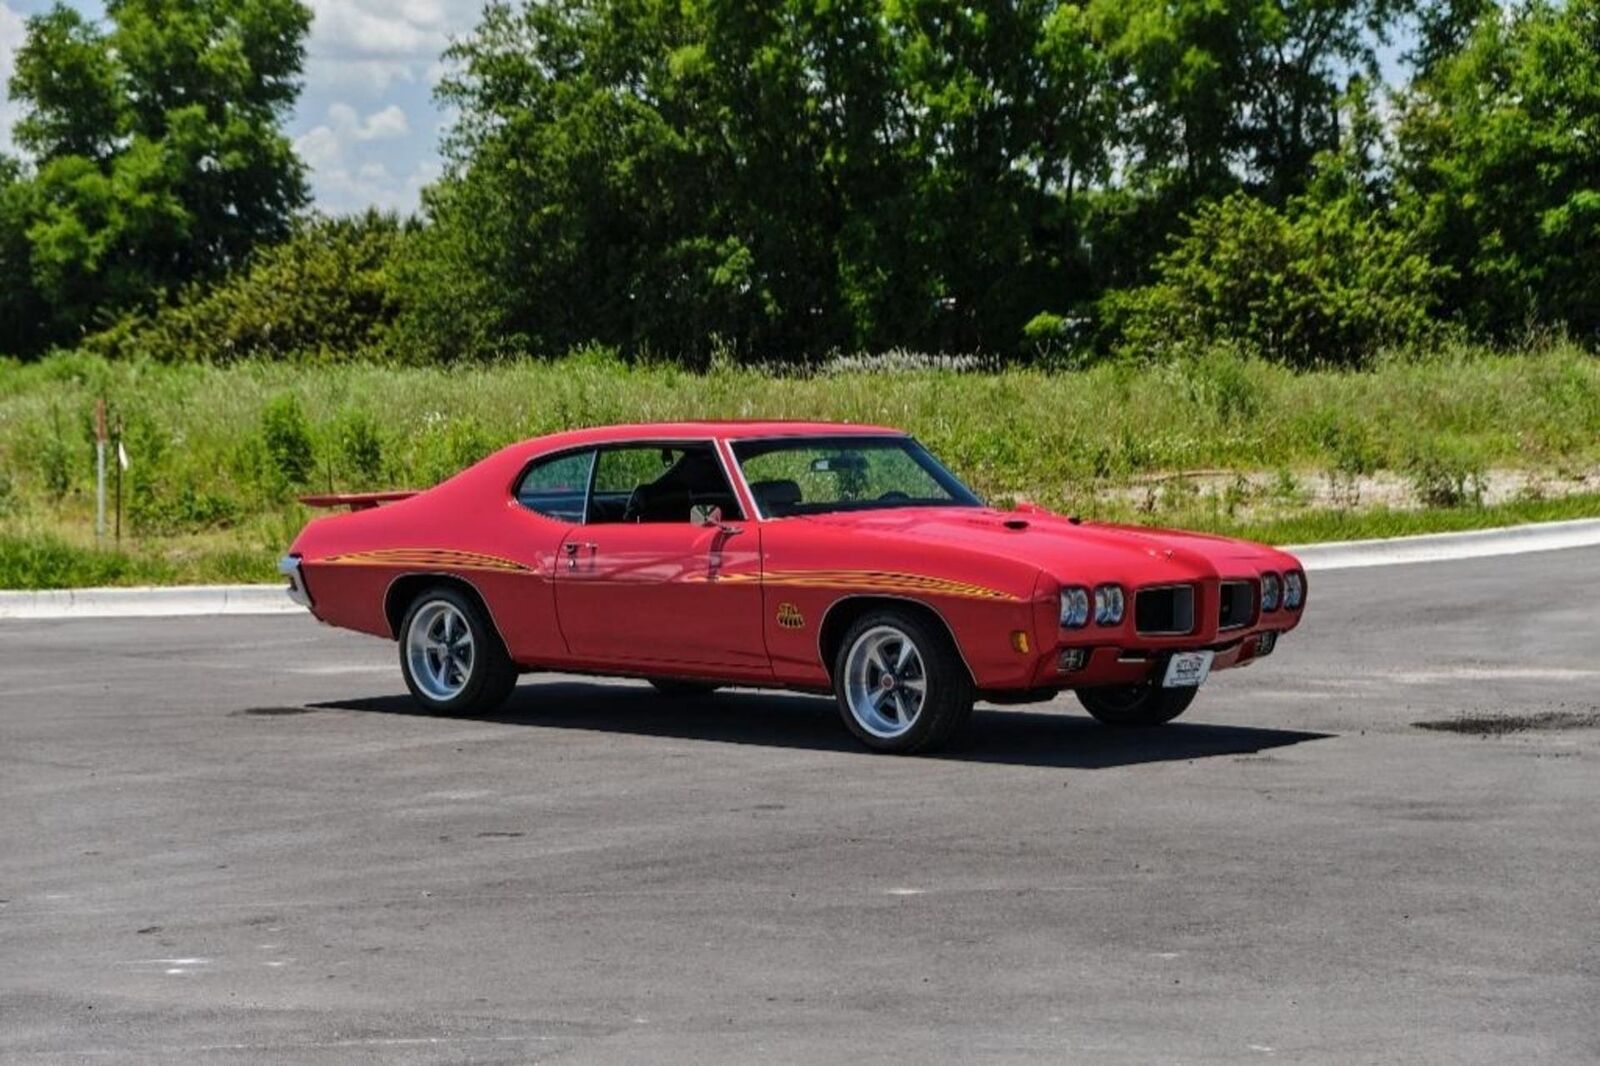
(326, 293)
(55, 458)
(1446, 472)
(1316, 283)
(360, 443)
(286, 437)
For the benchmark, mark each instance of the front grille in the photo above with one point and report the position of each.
(1168, 610)
(1238, 607)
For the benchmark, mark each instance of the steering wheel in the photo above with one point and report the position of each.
(630, 513)
(893, 496)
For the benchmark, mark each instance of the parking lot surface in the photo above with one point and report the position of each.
(234, 840)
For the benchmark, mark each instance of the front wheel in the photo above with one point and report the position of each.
(1136, 705)
(453, 660)
(900, 683)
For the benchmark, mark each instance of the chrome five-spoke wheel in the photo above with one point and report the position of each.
(900, 681)
(440, 648)
(451, 655)
(885, 681)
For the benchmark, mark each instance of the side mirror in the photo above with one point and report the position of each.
(705, 514)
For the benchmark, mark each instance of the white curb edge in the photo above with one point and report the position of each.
(1445, 547)
(164, 602)
(195, 600)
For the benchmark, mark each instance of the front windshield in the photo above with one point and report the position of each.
(815, 475)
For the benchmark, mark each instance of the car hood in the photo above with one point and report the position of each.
(1070, 549)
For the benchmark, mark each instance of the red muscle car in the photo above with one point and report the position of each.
(812, 556)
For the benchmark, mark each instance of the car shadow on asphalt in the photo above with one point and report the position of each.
(786, 720)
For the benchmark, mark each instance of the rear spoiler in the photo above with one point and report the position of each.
(357, 501)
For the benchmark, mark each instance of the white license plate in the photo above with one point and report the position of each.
(1187, 669)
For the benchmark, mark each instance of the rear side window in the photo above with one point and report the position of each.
(556, 487)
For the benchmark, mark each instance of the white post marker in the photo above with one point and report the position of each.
(100, 468)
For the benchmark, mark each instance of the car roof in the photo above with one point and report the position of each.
(732, 429)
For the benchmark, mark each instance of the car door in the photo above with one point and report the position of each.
(642, 584)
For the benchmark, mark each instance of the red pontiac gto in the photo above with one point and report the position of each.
(813, 556)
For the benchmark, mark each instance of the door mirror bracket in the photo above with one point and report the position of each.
(710, 515)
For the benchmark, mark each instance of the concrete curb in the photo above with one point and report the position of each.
(196, 600)
(166, 602)
(1445, 547)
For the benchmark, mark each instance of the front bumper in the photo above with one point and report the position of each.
(1112, 665)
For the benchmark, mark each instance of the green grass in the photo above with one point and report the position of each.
(1312, 526)
(47, 561)
(219, 453)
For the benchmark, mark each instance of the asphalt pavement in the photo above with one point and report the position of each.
(233, 840)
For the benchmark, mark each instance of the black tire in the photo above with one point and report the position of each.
(489, 676)
(1134, 706)
(947, 699)
(674, 689)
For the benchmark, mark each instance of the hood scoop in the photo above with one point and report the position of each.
(1015, 523)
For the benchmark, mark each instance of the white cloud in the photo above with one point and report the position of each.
(379, 126)
(366, 126)
(373, 184)
(12, 32)
(410, 29)
(385, 125)
(320, 148)
(365, 77)
(344, 176)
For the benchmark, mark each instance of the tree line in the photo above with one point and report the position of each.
(782, 180)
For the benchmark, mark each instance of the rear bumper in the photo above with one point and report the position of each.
(289, 567)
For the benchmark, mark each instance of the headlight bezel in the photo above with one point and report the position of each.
(1271, 591)
(1295, 580)
(1110, 604)
(1074, 607)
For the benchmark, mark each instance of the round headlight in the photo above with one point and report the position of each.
(1294, 589)
(1271, 586)
(1108, 603)
(1074, 607)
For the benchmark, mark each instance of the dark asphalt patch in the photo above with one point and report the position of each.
(1499, 725)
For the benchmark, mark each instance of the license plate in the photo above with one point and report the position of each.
(1187, 669)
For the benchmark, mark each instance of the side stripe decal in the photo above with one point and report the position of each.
(846, 580)
(431, 558)
(871, 581)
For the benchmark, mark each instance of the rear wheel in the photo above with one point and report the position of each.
(672, 688)
(900, 683)
(453, 660)
(1136, 705)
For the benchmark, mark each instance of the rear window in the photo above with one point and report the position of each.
(556, 487)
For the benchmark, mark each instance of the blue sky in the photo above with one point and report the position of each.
(366, 124)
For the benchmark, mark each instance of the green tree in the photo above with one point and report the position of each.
(789, 177)
(1219, 91)
(1317, 282)
(156, 150)
(1499, 168)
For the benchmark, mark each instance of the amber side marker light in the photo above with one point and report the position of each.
(1019, 641)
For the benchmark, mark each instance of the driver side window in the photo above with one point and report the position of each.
(659, 483)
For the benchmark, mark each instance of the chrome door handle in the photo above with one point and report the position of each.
(571, 548)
